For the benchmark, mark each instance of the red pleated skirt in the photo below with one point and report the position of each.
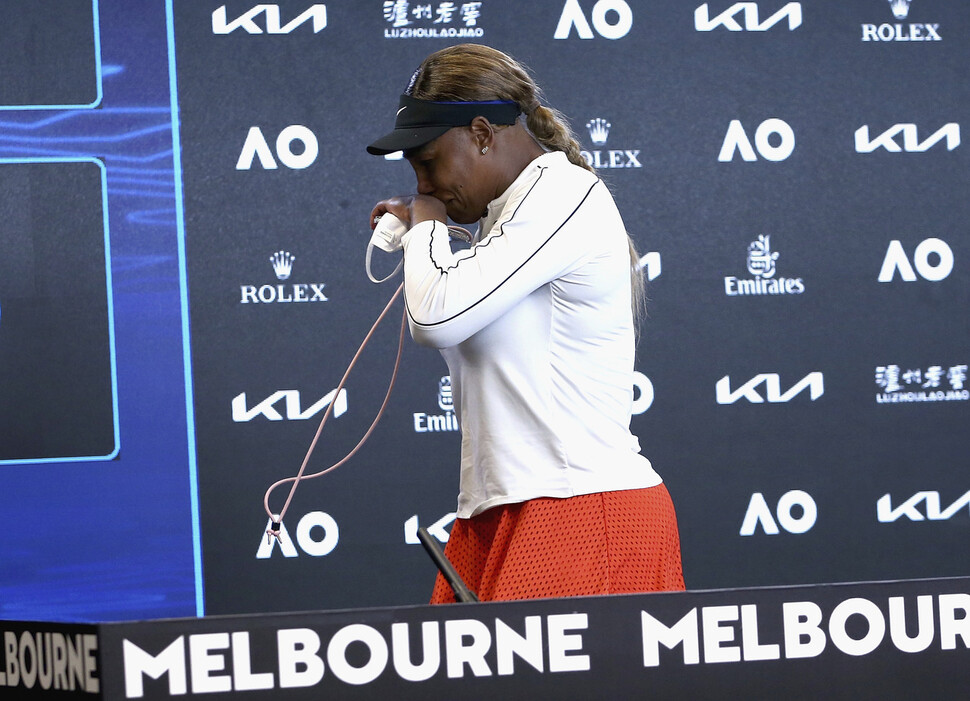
(606, 543)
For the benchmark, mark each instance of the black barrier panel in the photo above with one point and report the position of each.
(56, 341)
(50, 53)
(794, 176)
(848, 641)
(49, 660)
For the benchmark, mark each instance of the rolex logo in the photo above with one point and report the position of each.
(282, 264)
(599, 130)
(899, 31)
(900, 8)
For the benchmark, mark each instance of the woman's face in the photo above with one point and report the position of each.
(450, 170)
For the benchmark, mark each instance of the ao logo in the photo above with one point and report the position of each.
(737, 140)
(572, 16)
(896, 260)
(758, 512)
(256, 147)
(306, 537)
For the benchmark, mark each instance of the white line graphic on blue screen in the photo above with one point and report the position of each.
(135, 145)
(130, 129)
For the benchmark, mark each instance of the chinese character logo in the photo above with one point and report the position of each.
(931, 384)
(401, 13)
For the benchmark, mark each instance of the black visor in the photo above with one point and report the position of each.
(421, 121)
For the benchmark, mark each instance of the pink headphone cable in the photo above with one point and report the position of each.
(456, 232)
(277, 519)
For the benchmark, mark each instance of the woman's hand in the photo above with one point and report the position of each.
(410, 209)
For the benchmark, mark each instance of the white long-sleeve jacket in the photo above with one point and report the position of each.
(535, 324)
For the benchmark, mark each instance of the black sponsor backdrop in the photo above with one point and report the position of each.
(670, 93)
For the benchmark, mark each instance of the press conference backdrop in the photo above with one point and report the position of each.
(184, 209)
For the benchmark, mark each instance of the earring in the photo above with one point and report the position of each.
(484, 150)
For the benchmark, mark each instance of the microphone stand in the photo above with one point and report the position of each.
(462, 593)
